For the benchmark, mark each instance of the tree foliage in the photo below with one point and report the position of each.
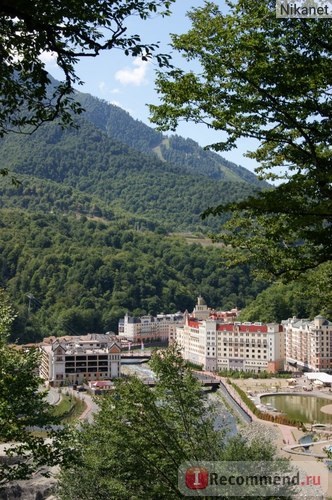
(69, 274)
(22, 408)
(140, 437)
(67, 30)
(184, 153)
(95, 162)
(309, 295)
(252, 75)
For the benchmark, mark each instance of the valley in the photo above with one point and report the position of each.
(98, 225)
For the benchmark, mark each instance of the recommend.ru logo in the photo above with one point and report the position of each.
(251, 479)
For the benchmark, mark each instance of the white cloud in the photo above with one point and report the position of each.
(104, 89)
(117, 103)
(102, 86)
(133, 76)
(48, 57)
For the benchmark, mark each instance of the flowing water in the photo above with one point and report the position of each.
(223, 418)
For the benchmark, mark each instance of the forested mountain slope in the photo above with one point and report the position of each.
(69, 274)
(84, 237)
(36, 194)
(306, 297)
(184, 153)
(89, 161)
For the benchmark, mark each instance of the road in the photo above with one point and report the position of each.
(53, 396)
(91, 406)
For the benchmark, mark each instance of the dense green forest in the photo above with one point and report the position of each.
(70, 274)
(87, 234)
(55, 198)
(78, 274)
(89, 161)
(306, 297)
(174, 149)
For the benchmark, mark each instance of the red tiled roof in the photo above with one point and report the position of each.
(193, 324)
(229, 327)
(101, 383)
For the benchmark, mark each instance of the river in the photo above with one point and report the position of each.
(224, 419)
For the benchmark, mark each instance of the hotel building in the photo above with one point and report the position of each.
(149, 328)
(72, 360)
(308, 344)
(163, 326)
(216, 343)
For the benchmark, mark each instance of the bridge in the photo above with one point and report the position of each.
(135, 359)
(205, 382)
(133, 355)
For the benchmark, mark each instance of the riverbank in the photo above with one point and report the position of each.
(283, 437)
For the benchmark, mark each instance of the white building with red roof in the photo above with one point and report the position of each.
(216, 343)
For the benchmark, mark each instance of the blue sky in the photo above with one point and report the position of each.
(129, 82)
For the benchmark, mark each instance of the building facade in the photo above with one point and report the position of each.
(150, 328)
(216, 344)
(78, 359)
(163, 326)
(308, 344)
(201, 310)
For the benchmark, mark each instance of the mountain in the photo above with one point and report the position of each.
(34, 195)
(127, 166)
(87, 235)
(119, 125)
(74, 274)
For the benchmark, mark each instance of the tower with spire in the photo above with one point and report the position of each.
(201, 310)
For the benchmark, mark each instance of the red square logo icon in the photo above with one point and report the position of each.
(197, 478)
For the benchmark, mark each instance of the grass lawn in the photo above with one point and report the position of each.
(69, 408)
